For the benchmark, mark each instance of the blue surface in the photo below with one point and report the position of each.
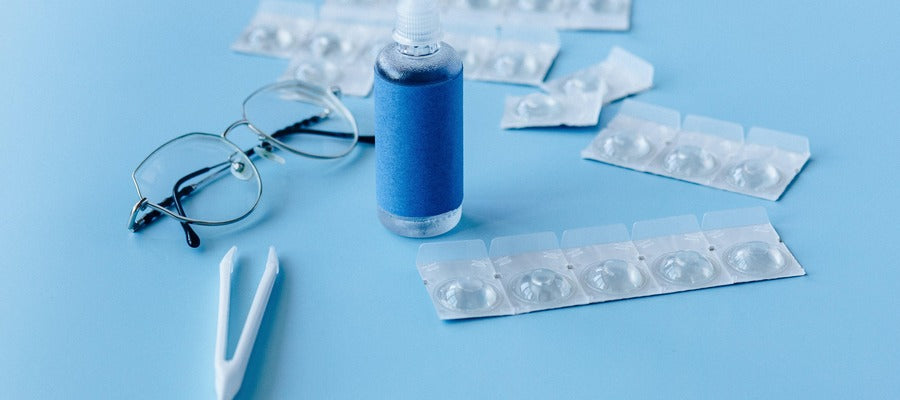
(418, 125)
(90, 310)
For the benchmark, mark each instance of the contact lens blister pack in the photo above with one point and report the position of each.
(277, 29)
(576, 99)
(535, 272)
(339, 54)
(702, 150)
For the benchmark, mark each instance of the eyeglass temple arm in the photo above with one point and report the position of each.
(190, 235)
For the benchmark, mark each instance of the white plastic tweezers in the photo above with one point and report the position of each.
(230, 373)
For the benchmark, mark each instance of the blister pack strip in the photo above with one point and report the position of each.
(340, 49)
(278, 29)
(512, 54)
(614, 15)
(576, 99)
(340, 54)
(536, 272)
(702, 150)
(329, 53)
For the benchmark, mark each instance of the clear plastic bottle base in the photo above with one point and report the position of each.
(420, 227)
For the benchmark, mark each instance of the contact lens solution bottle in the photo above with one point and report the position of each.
(418, 126)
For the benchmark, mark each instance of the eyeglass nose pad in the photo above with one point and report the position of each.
(240, 169)
(265, 150)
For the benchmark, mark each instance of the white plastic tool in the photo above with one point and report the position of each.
(230, 373)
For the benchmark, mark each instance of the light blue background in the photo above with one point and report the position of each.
(90, 310)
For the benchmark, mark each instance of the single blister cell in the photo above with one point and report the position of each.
(614, 276)
(685, 268)
(467, 294)
(627, 145)
(755, 258)
(603, 6)
(607, 263)
(461, 280)
(689, 161)
(325, 73)
(269, 38)
(765, 165)
(748, 245)
(336, 42)
(546, 6)
(541, 286)
(755, 175)
(542, 110)
(634, 136)
(697, 152)
(535, 272)
(680, 257)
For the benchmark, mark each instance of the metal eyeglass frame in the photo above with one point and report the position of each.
(268, 144)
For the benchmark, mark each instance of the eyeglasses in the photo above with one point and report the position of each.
(206, 179)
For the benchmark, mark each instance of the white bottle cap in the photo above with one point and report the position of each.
(418, 23)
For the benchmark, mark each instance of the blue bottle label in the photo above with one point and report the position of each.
(419, 147)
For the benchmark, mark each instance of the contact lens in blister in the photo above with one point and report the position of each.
(685, 267)
(755, 258)
(541, 286)
(481, 4)
(467, 294)
(689, 161)
(538, 105)
(755, 175)
(614, 276)
(601, 6)
(581, 83)
(626, 146)
(515, 64)
(269, 38)
(325, 73)
(469, 59)
(325, 44)
(539, 5)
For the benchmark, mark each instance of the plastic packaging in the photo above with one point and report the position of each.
(531, 272)
(520, 55)
(277, 29)
(339, 54)
(612, 15)
(621, 74)
(702, 150)
(535, 272)
(576, 99)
